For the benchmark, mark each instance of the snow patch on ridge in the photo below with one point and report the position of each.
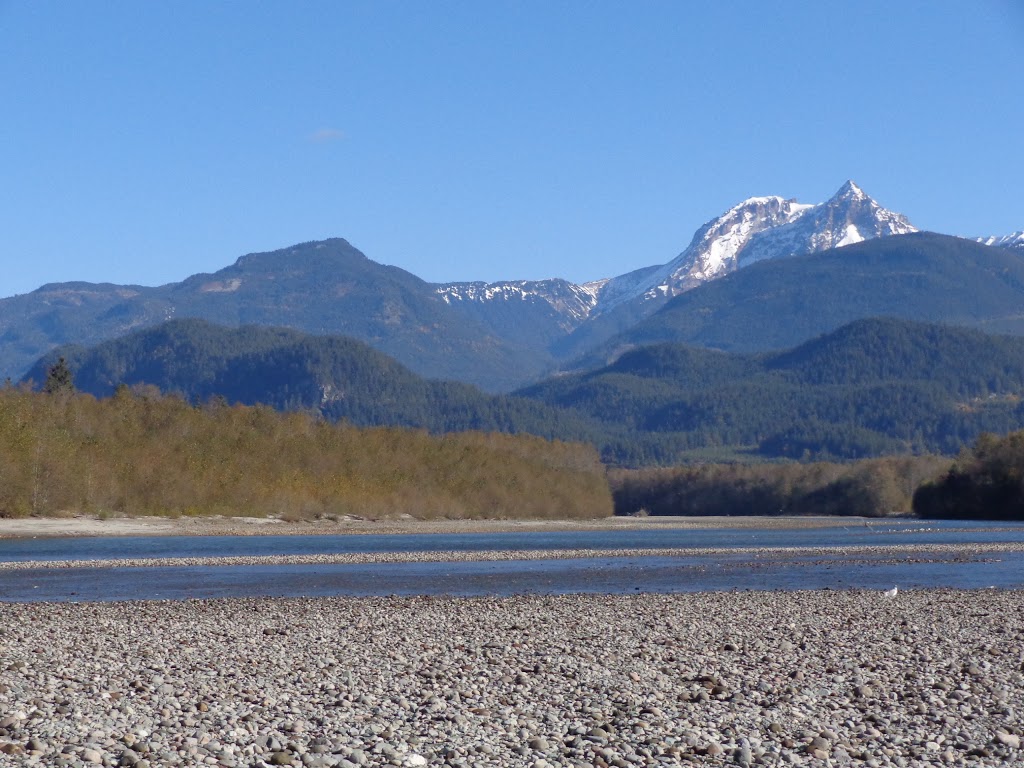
(1014, 240)
(850, 236)
(566, 298)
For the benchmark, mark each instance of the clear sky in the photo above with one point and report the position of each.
(141, 142)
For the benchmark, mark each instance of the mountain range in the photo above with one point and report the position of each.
(736, 286)
(757, 229)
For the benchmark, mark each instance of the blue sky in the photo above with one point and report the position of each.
(141, 142)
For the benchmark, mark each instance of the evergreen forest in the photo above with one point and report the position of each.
(876, 387)
(986, 482)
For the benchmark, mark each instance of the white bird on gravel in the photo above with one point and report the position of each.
(890, 592)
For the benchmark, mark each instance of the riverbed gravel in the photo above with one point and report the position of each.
(893, 553)
(215, 525)
(925, 678)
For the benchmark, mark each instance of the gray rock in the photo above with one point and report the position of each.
(1011, 740)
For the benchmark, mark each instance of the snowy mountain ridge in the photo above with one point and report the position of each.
(759, 228)
(1013, 240)
(574, 302)
(763, 228)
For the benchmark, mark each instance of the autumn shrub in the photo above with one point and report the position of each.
(142, 453)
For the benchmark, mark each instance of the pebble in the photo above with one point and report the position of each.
(1009, 739)
(935, 677)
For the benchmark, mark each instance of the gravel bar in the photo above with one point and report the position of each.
(84, 525)
(817, 678)
(893, 553)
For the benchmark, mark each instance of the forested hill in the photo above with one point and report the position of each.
(326, 287)
(961, 361)
(780, 303)
(336, 377)
(871, 388)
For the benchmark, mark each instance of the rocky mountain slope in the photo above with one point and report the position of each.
(571, 318)
(763, 228)
(523, 311)
(772, 305)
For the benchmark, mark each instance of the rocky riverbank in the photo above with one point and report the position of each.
(85, 525)
(817, 678)
(878, 554)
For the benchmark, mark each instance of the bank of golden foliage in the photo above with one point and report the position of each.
(147, 454)
(869, 488)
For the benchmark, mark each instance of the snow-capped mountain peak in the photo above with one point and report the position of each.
(773, 227)
(850, 191)
(850, 216)
(716, 246)
(758, 228)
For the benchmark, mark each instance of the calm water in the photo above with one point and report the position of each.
(602, 575)
(857, 533)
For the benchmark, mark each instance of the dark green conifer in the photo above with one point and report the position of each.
(59, 379)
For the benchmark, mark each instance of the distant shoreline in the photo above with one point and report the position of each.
(92, 526)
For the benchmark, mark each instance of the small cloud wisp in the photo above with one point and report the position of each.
(325, 135)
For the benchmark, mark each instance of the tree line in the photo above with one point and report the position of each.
(140, 452)
(985, 482)
(866, 488)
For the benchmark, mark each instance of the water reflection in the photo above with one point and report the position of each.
(857, 533)
(591, 575)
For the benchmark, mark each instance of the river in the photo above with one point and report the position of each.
(655, 573)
